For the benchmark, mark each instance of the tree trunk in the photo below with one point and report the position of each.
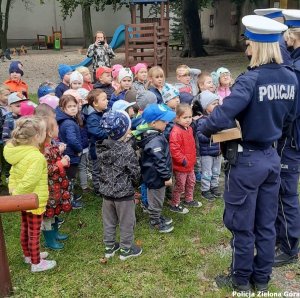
(4, 25)
(193, 42)
(87, 26)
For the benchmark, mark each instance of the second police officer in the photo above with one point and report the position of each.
(263, 100)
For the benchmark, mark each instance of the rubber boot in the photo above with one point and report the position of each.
(58, 236)
(50, 240)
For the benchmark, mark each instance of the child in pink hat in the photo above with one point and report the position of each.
(115, 72)
(140, 77)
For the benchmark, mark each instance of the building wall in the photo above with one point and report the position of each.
(25, 24)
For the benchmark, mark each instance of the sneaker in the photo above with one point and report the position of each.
(259, 287)
(225, 281)
(134, 251)
(179, 209)
(77, 205)
(86, 190)
(77, 197)
(97, 193)
(208, 195)
(111, 250)
(282, 258)
(43, 265)
(161, 227)
(192, 204)
(145, 208)
(60, 221)
(216, 192)
(43, 255)
(198, 176)
(165, 220)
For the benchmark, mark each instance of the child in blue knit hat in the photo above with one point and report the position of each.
(64, 73)
(119, 172)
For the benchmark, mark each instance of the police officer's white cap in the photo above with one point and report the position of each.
(262, 29)
(292, 17)
(271, 13)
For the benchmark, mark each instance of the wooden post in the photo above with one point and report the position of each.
(284, 4)
(8, 204)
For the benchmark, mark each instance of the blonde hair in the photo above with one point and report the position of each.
(26, 129)
(264, 53)
(3, 88)
(44, 110)
(292, 33)
(182, 70)
(156, 71)
(83, 70)
(182, 108)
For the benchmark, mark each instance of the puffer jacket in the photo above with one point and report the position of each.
(28, 173)
(157, 94)
(107, 88)
(119, 170)
(156, 163)
(69, 133)
(115, 97)
(206, 146)
(183, 149)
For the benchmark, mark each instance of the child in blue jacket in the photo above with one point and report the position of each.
(93, 112)
(69, 121)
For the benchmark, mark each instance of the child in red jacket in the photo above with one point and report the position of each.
(183, 151)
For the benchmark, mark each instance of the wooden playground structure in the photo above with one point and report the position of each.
(148, 40)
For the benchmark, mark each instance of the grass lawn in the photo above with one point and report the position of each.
(180, 264)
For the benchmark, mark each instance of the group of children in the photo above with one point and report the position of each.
(129, 128)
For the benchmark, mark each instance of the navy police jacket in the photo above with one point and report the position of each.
(296, 125)
(69, 133)
(285, 53)
(156, 162)
(264, 101)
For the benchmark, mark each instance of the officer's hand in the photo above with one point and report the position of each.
(168, 182)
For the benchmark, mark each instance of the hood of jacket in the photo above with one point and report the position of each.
(88, 110)
(13, 154)
(146, 137)
(61, 116)
(106, 148)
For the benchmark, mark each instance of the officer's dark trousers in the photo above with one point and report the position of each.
(251, 203)
(288, 220)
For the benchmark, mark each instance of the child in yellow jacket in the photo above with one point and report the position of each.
(29, 174)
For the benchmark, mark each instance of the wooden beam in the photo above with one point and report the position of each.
(284, 4)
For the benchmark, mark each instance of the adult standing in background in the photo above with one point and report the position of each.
(101, 52)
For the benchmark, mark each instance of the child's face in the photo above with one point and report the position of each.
(211, 106)
(126, 83)
(106, 78)
(4, 97)
(158, 81)
(71, 108)
(101, 102)
(207, 85)
(173, 103)
(87, 78)
(159, 125)
(99, 37)
(225, 79)
(76, 85)
(66, 78)
(14, 76)
(184, 79)
(130, 112)
(16, 108)
(142, 75)
(185, 119)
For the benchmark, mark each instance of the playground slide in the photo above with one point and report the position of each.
(117, 40)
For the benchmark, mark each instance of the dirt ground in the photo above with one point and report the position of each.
(41, 65)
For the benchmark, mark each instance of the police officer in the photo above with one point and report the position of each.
(276, 14)
(263, 100)
(288, 219)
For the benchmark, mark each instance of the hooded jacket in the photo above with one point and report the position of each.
(69, 133)
(28, 173)
(107, 88)
(156, 163)
(119, 170)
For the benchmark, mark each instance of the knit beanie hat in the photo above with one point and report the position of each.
(115, 70)
(83, 93)
(27, 108)
(206, 98)
(123, 73)
(63, 69)
(116, 124)
(16, 66)
(216, 75)
(138, 67)
(76, 76)
(50, 100)
(186, 97)
(145, 98)
(169, 92)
